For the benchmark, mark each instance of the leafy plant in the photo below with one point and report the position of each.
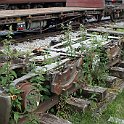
(82, 32)
(94, 67)
(68, 38)
(33, 119)
(39, 82)
(7, 75)
(62, 108)
(16, 103)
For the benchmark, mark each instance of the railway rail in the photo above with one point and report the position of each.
(61, 66)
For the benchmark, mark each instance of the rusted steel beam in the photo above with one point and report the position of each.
(17, 66)
(28, 90)
(98, 93)
(38, 68)
(112, 47)
(78, 104)
(112, 81)
(113, 50)
(52, 119)
(43, 107)
(5, 108)
(102, 106)
(42, 58)
(121, 64)
(117, 72)
(62, 81)
(103, 30)
(109, 37)
(46, 105)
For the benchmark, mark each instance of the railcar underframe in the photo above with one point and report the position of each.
(39, 19)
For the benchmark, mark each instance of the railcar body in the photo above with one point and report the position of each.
(86, 3)
(28, 1)
(45, 20)
(109, 2)
(22, 4)
(110, 7)
(93, 3)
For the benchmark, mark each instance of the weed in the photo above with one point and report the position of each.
(62, 109)
(114, 109)
(95, 63)
(7, 75)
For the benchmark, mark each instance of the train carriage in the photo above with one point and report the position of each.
(31, 22)
(86, 3)
(24, 4)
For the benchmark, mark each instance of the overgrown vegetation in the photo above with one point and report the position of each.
(93, 71)
(7, 75)
(114, 109)
(94, 67)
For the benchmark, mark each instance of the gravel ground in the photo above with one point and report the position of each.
(44, 43)
(39, 43)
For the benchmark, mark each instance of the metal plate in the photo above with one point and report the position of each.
(86, 3)
(62, 81)
(5, 109)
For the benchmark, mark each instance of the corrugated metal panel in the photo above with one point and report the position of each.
(86, 3)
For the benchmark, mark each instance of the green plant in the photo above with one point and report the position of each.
(47, 58)
(33, 119)
(7, 75)
(62, 109)
(16, 104)
(114, 109)
(39, 82)
(82, 32)
(94, 69)
(68, 41)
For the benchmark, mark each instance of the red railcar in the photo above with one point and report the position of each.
(22, 4)
(86, 3)
(28, 1)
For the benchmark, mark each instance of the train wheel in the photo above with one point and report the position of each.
(98, 17)
(112, 17)
(13, 7)
(38, 6)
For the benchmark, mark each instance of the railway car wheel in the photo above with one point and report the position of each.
(98, 17)
(13, 7)
(112, 17)
(39, 6)
(30, 97)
